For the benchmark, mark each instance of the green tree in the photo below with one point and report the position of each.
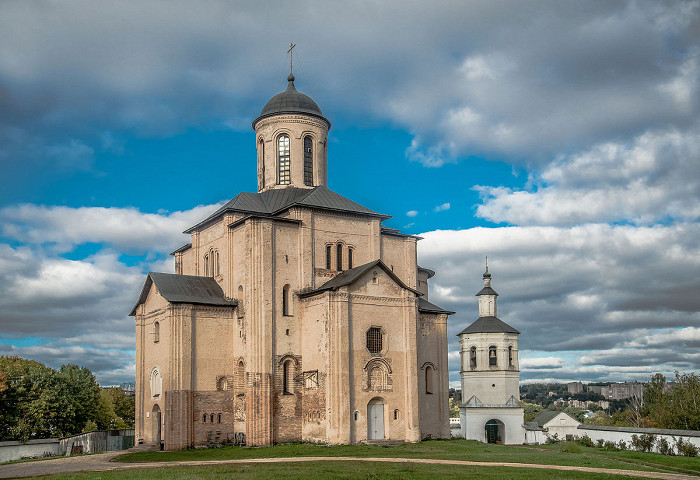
(684, 400)
(40, 402)
(531, 411)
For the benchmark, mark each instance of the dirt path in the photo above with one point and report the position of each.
(101, 462)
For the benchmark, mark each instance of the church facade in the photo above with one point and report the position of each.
(293, 314)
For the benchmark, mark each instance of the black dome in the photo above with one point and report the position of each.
(290, 101)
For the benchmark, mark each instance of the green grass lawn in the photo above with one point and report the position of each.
(340, 470)
(443, 449)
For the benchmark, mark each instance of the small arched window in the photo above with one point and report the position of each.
(211, 418)
(286, 301)
(396, 414)
(240, 301)
(429, 380)
(374, 340)
(329, 260)
(204, 418)
(219, 419)
(156, 332)
(357, 415)
(283, 161)
(240, 380)
(493, 361)
(156, 382)
(206, 265)
(350, 253)
(222, 384)
(472, 358)
(261, 162)
(308, 162)
(339, 256)
(510, 356)
(215, 268)
(287, 377)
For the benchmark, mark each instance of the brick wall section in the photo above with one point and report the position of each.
(213, 402)
(178, 427)
(314, 415)
(286, 408)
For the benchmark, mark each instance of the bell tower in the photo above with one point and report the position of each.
(291, 139)
(491, 410)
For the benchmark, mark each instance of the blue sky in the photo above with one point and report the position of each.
(559, 138)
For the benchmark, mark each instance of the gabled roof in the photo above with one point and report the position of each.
(348, 277)
(275, 201)
(489, 325)
(543, 418)
(427, 307)
(184, 289)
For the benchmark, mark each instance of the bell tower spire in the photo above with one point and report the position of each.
(487, 296)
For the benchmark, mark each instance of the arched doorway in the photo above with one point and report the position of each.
(155, 425)
(494, 431)
(375, 419)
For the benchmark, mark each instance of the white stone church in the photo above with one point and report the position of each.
(293, 314)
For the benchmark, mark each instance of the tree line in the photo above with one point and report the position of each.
(37, 401)
(671, 405)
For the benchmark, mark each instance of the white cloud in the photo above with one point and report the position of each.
(542, 362)
(616, 297)
(443, 207)
(411, 213)
(651, 179)
(68, 226)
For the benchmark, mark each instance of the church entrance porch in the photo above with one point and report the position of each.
(375, 419)
(494, 431)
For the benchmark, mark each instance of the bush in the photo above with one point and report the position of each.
(586, 441)
(611, 446)
(644, 442)
(685, 448)
(664, 447)
(553, 439)
(600, 443)
(622, 445)
(570, 447)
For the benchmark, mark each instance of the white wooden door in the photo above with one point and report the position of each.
(375, 422)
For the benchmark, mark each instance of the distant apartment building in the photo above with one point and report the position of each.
(574, 388)
(621, 391)
(582, 404)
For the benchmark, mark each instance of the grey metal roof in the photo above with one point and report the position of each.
(427, 307)
(532, 426)
(291, 101)
(489, 325)
(187, 246)
(396, 233)
(275, 201)
(655, 431)
(347, 277)
(431, 273)
(184, 289)
(545, 417)
(487, 291)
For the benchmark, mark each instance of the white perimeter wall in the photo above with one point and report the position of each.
(613, 436)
